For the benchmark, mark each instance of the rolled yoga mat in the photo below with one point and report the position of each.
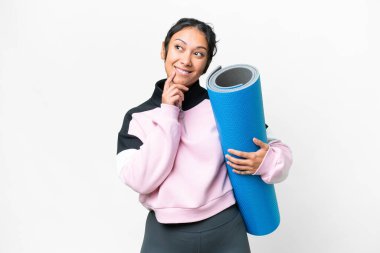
(236, 100)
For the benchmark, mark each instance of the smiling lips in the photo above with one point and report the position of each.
(182, 71)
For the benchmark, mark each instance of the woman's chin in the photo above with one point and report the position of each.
(183, 81)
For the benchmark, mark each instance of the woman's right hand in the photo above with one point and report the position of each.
(173, 93)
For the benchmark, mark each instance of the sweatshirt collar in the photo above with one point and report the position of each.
(193, 96)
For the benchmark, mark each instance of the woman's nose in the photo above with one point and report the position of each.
(186, 59)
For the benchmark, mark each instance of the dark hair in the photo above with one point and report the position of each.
(201, 26)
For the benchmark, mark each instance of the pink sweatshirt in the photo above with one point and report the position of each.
(174, 158)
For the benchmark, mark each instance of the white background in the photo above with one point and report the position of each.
(69, 70)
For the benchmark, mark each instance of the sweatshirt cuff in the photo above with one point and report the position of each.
(170, 111)
(267, 164)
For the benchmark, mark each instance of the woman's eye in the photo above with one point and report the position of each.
(199, 54)
(178, 47)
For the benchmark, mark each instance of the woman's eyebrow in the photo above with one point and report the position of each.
(196, 47)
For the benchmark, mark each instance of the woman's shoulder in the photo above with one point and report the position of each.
(145, 106)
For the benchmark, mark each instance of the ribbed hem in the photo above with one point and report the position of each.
(184, 215)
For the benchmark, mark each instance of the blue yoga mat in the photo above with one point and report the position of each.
(236, 100)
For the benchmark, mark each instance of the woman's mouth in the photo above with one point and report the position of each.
(182, 71)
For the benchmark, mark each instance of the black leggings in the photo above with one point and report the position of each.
(222, 233)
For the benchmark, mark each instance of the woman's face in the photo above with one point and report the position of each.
(187, 55)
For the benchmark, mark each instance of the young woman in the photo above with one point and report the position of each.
(169, 152)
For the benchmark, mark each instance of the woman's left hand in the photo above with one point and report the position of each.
(249, 161)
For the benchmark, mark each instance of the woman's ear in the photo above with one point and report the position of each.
(163, 51)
